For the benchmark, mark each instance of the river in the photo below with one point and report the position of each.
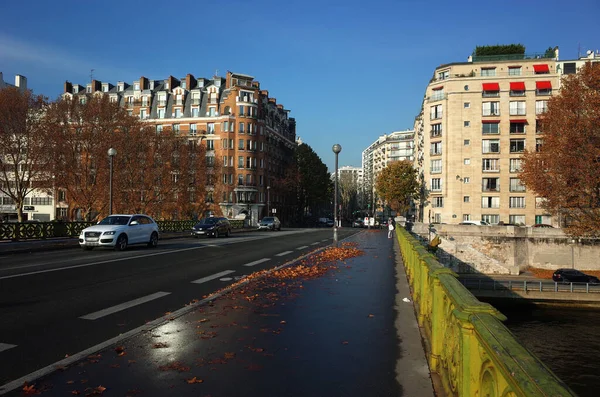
(566, 338)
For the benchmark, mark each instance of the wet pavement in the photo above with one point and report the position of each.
(325, 328)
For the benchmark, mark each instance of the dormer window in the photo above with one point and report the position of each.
(136, 86)
(104, 87)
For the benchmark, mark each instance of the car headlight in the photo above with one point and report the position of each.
(109, 233)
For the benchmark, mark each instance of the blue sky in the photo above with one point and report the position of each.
(349, 71)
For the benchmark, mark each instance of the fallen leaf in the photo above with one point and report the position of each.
(29, 389)
(75, 392)
(282, 322)
(194, 380)
(160, 345)
(70, 382)
(371, 315)
(344, 342)
(229, 355)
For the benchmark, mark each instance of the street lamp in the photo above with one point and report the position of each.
(111, 153)
(268, 201)
(336, 149)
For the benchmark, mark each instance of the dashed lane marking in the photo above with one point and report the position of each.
(6, 346)
(212, 277)
(301, 248)
(123, 306)
(257, 262)
(284, 253)
(316, 242)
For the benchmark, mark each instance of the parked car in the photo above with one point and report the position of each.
(325, 222)
(573, 276)
(477, 223)
(269, 223)
(543, 225)
(120, 231)
(212, 227)
(358, 223)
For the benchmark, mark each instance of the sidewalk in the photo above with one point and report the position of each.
(347, 332)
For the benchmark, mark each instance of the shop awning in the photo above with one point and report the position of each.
(542, 68)
(543, 85)
(491, 86)
(439, 87)
(519, 86)
(490, 121)
(521, 121)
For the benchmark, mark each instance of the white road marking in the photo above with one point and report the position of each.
(325, 240)
(123, 306)
(6, 346)
(257, 262)
(301, 248)
(315, 243)
(214, 276)
(98, 263)
(226, 279)
(284, 253)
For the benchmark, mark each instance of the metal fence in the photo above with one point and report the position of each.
(524, 285)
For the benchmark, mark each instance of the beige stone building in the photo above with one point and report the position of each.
(475, 122)
(244, 129)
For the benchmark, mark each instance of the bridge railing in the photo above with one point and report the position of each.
(467, 344)
(42, 230)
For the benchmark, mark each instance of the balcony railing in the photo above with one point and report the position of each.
(510, 57)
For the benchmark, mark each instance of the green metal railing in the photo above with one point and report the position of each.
(44, 230)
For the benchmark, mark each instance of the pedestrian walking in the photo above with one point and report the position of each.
(390, 227)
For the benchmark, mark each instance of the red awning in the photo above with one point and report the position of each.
(439, 87)
(490, 121)
(517, 86)
(543, 68)
(543, 85)
(491, 86)
(521, 121)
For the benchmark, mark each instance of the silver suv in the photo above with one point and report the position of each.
(269, 223)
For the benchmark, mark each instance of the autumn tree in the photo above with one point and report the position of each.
(565, 170)
(397, 185)
(24, 150)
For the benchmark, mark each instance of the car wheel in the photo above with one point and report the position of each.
(153, 240)
(121, 244)
(227, 233)
(86, 248)
(279, 228)
(217, 233)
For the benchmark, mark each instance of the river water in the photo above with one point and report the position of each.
(566, 339)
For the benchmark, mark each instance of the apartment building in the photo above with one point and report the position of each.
(244, 129)
(476, 120)
(396, 146)
(355, 175)
(38, 204)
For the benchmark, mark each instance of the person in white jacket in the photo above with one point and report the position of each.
(390, 228)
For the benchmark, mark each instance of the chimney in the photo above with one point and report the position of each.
(68, 87)
(190, 81)
(96, 85)
(171, 81)
(21, 82)
(143, 83)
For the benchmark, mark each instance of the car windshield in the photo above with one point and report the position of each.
(115, 220)
(268, 220)
(208, 221)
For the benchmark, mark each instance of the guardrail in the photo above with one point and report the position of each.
(43, 230)
(468, 347)
(524, 286)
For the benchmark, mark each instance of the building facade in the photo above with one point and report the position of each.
(244, 129)
(476, 120)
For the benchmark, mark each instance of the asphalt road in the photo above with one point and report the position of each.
(58, 303)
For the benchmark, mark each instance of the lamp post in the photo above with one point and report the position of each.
(336, 149)
(111, 153)
(268, 201)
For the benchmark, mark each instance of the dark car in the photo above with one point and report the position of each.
(325, 222)
(269, 223)
(212, 227)
(573, 276)
(358, 223)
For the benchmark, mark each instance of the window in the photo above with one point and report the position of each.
(541, 107)
(466, 217)
(161, 113)
(210, 128)
(538, 144)
(437, 94)
(543, 88)
(176, 128)
(143, 114)
(195, 112)
(212, 111)
(491, 165)
(436, 166)
(517, 108)
(193, 129)
(467, 105)
(517, 145)
(490, 128)
(541, 69)
(517, 219)
(437, 202)
(241, 129)
(240, 181)
(436, 112)
(516, 186)
(491, 108)
(490, 202)
(487, 72)
(436, 148)
(437, 218)
(159, 128)
(224, 161)
(210, 161)
(241, 110)
(570, 68)
(467, 123)
(136, 86)
(443, 75)
(466, 179)
(517, 89)
(538, 127)
(491, 185)
(210, 145)
(516, 202)
(515, 165)
(177, 113)
(467, 142)
(517, 127)
(241, 162)
(466, 199)
(436, 184)
(248, 162)
(490, 218)
(41, 201)
(467, 161)
(225, 126)
(436, 130)
(490, 90)
(514, 70)
(241, 144)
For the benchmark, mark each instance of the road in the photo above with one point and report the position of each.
(58, 303)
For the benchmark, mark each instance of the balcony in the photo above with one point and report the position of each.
(510, 57)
